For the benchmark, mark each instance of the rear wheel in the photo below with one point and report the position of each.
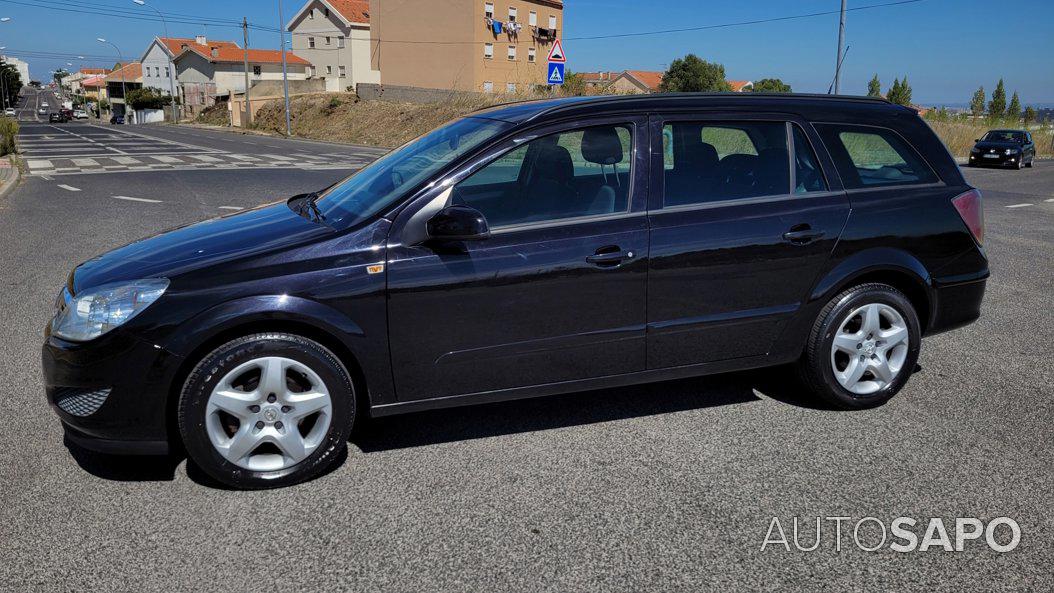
(266, 410)
(863, 347)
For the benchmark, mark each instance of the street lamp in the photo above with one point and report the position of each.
(124, 94)
(171, 65)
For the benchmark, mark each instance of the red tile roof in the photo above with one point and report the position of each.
(597, 77)
(96, 81)
(738, 85)
(94, 71)
(175, 44)
(650, 79)
(131, 73)
(354, 11)
(237, 55)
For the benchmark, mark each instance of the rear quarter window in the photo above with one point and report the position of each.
(869, 157)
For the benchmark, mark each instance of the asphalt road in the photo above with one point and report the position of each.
(668, 487)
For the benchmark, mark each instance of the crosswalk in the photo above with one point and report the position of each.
(111, 164)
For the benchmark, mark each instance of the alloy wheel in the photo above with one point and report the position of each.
(268, 414)
(869, 348)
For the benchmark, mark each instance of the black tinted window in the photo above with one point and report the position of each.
(708, 162)
(584, 172)
(873, 157)
(807, 174)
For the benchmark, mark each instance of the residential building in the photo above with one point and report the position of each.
(75, 81)
(124, 78)
(598, 79)
(636, 82)
(741, 86)
(205, 72)
(465, 45)
(94, 88)
(157, 60)
(21, 66)
(334, 35)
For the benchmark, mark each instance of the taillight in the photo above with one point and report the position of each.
(972, 212)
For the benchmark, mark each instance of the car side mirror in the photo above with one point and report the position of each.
(458, 223)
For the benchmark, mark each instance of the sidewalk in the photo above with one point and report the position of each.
(9, 175)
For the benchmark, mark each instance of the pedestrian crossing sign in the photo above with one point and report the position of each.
(556, 72)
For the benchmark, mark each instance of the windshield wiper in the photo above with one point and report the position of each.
(305, 205)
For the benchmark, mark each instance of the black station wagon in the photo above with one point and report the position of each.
(529, 249)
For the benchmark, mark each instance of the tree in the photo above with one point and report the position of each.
(771, 85)
(977, 102)
(874, 88)
(1014, 110)
(12, 84)
(147, 98)
(900, 92)
(574, 85)
(997, 106)
(692, 74)
(1030, 115)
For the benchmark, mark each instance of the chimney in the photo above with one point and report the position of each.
(200, 40)
(215, 52)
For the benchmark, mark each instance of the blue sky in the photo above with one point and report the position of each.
(945, 47)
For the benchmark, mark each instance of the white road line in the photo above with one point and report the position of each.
(131, 199)
(161, 140)
(206, 158)
(1018, 205)
(69, 187)
(39, 164)
(1050, 200)
(86, 162)
(127, 160)
(230, 208)
(88, 139)
(166, 159)
(243, 157)
(279, 157)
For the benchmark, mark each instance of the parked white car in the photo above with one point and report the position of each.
(44, 105)
(9, 112)
(79, 114)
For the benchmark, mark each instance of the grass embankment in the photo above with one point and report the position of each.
(959, 136)
(217, 115)
(343, 117)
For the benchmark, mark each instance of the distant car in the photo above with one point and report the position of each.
(80, 114)
(42, 111)
(9, 112)
(116, 119)
(58, 118)
(1005, 148)
(44, 105)
(67, 112)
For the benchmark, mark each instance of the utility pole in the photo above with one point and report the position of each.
(841, 40)
(248, 107)
(285, 70)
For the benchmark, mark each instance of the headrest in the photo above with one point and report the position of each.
(554, 162)
(602, 146)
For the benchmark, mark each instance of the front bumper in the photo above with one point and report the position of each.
(111, 393)
(998, 160)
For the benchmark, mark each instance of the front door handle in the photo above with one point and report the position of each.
(802, 234)
(609, 256)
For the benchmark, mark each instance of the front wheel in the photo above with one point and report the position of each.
(862, 348)
(266, 410)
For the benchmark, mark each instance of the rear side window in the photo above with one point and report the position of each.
(873, 157)
(807, 174)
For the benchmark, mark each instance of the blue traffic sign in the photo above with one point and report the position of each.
(556, 72)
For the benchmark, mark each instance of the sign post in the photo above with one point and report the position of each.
(555, 72)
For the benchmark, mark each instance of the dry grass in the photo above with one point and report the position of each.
(959, 136)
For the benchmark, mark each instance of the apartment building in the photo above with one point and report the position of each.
(334, 36)
(496, 46)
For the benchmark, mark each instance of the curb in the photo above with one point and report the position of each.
(9, 185)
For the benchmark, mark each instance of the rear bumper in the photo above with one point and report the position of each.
(957, 302)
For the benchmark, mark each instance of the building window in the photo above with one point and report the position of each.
(340, 41)
(327, 12)
(512, 52)
(329, 69)
(510, 87)
(512, 13)
(310, 71)
(552, 21)
(327, 39)
(488, 86)
(532, 19)
(167, 75)
(257, 70)
(488, 51)
(488, 9)
(343, 71)
(311, 42)
(311, 14)
(532, 54)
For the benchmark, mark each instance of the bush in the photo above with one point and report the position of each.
(8, 132)
(147, 98)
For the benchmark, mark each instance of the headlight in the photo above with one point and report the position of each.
(97, 310)
(1010, 151)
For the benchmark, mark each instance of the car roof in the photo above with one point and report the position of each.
(524, 111)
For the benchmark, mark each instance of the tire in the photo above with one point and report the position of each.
(258, 413)
(844, 317)
(1030, 161)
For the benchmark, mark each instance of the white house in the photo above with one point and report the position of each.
(157, 60)
(205, 72)
(334, 36)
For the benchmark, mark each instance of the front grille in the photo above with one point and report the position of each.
(80, 402)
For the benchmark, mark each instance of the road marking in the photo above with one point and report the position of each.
(1018, 205)
(68, 187)
(1050, 200)
(39, 164)
(86, 162)
(243, 157)
(131, 199)
(279, 157)
(88, 139)
(230, 208)
(205, 158)
(127, 160)
(166, 159)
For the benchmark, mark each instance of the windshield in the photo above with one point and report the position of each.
(997, 136)
(387, 179)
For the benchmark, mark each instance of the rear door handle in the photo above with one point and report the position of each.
(801, 236)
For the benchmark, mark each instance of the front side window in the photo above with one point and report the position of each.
(584, 172)
(710, 162)
(389, 178)
(873, 157)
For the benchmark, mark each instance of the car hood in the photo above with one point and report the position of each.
(198, 245)
(996, 145)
